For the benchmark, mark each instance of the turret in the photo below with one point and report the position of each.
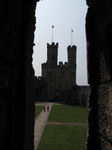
(72, 55)
(52, 52)
(72, 61)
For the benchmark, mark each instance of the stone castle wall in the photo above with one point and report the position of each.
(59, 77)
(99, 48)
(17, 25)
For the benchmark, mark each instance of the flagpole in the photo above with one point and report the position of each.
(52, 33)
(71, 37)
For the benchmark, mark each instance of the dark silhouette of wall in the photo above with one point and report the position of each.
(99, 49)
(17, 25)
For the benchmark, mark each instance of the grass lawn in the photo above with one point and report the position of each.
(67, 113)
(63, 138)
(38, 109)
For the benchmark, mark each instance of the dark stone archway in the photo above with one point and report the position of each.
(17, 26)
(99, 49)
(17, 76)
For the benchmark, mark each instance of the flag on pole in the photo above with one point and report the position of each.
(52, 33)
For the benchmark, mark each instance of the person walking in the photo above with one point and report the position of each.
(47, 108)
(44, 109)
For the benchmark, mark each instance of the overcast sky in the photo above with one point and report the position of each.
(64, 15)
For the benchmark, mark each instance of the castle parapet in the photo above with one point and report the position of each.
(66, 64)
(60, 63)
(63, 65)
(52, 45)
(71, 47)
(44, 65)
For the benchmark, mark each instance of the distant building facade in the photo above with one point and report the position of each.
(40, 89)
(59, 80)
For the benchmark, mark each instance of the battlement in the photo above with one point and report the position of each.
(60, 63)
(52, 45)
(71, 47)
(63, 65)
(47, 65)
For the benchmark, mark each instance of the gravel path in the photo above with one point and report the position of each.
(40, 123)
(66, 124)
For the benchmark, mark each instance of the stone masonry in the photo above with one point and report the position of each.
(59, 77)
(99, 49)
(17, 25)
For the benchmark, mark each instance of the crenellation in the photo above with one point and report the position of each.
(66, 64)
(60, 63)
(52, 44)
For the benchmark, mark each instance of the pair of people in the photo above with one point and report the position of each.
(47, 108)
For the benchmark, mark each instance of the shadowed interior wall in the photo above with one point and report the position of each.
(99, 51)
(17, 25)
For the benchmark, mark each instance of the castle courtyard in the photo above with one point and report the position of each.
(44, 121)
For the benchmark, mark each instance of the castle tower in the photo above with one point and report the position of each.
(72, 61)
(52, 52)
(72, 55)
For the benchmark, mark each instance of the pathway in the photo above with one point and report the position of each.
(66, 123)
(40, 123)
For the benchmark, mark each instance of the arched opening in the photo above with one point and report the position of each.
(70, 31)
(16, 74)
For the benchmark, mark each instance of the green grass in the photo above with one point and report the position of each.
(63, 138)
(66, 113)
(38, 109)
